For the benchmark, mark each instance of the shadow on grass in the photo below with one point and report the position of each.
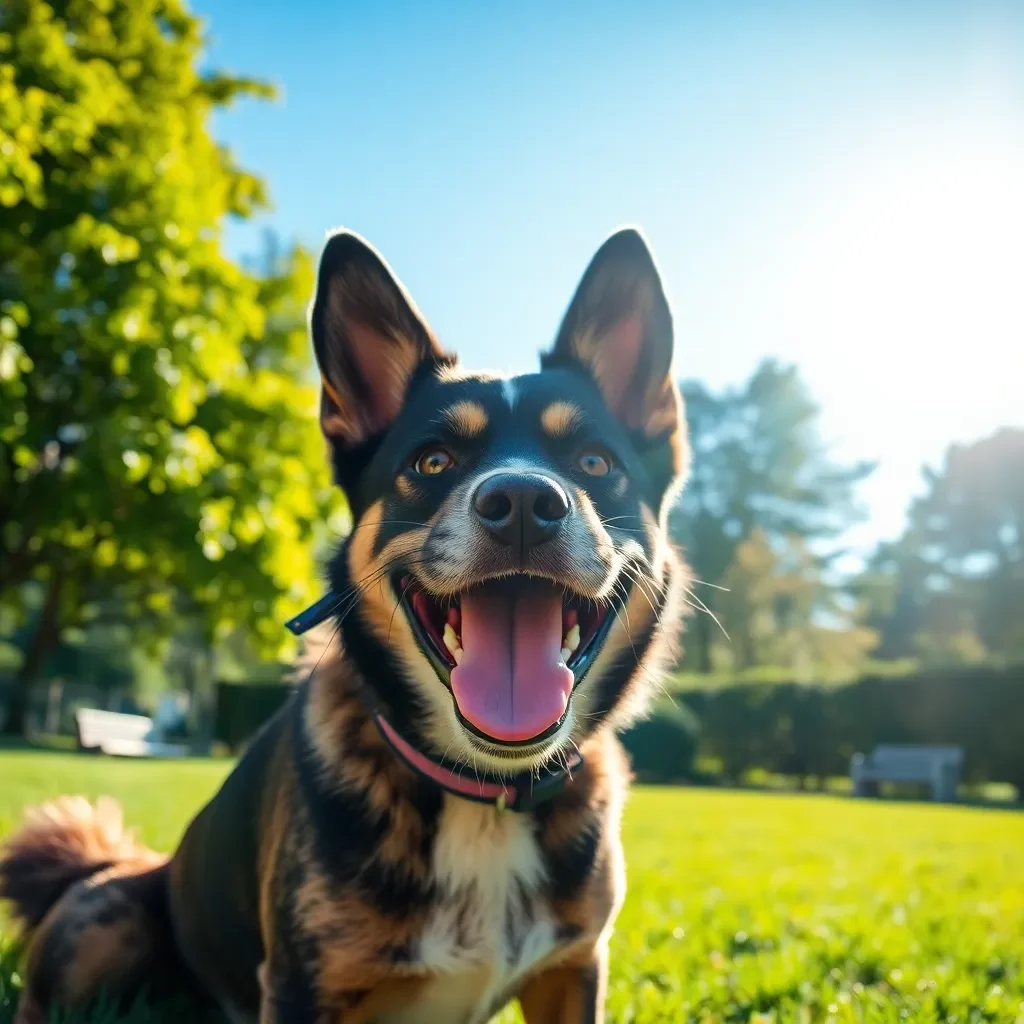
(40, 744)
(889, 797)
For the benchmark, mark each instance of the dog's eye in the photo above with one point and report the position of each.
(595, 463)
(433, 461)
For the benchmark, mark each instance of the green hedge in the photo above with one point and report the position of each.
(809, 731)
(788, 728)
(241, 708)
(663, 747)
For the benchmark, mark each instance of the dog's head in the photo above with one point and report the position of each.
(508, 584)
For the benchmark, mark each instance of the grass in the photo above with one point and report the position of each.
(742, 907)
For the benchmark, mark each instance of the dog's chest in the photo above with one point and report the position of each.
(491, 924)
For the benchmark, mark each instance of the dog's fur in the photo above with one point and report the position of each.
(326, 881)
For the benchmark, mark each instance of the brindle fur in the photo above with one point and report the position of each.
(326, 882)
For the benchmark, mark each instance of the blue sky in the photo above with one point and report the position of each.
(837, 185)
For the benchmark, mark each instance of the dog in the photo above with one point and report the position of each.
(429, 828)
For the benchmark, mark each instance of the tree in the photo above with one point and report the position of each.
(779, 609)
(156, 428)
(758, 463)
(951, 588)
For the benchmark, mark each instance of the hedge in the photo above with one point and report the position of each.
(241, 708)
(812, 731)
(663, 747)
(786, 728)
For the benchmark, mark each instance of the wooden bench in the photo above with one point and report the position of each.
(937, 767)
(121, 735)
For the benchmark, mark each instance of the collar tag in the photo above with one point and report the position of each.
(314, 614)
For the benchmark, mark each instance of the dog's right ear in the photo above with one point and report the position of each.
(370, 341)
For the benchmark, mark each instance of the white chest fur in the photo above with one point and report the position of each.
(491, 924)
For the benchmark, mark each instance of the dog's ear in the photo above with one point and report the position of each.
(618, 330)
(370, 340)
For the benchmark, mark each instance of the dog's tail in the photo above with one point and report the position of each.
(62, 843)
(92, 903)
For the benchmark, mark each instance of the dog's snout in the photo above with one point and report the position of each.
(521, 510)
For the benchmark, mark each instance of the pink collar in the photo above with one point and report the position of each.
(521, 793)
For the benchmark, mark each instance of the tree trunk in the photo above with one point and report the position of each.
(702, 624)
(54, 703)
(44, 639)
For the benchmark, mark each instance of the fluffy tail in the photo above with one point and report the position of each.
(62, 843)
(92, 903)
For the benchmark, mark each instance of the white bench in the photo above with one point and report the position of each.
(121, 735)
(938, 767)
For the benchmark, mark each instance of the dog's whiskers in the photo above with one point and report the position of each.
(701, 606)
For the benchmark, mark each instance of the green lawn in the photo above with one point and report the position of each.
(742, 907)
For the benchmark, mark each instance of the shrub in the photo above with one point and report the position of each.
(663, 747)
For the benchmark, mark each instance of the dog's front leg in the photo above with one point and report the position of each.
(285, 1000)
(568, 994)
(360, 999)
(279, 1011)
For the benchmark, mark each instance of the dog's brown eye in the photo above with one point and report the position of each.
(595, 463)
(433, 461)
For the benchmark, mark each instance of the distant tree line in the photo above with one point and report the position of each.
(761, 519)
(951, 589)
(763, 502)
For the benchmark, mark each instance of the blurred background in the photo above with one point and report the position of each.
(834, 193)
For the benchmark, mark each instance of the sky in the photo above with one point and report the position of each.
(837, 185)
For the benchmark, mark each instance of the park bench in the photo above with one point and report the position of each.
(122, 735)
(937, 767)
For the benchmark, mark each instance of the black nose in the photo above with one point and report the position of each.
(521, 509)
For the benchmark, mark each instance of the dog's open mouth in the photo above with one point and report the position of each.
(510, 651)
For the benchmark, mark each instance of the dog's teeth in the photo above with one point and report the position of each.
(451, 640)
(570, 642)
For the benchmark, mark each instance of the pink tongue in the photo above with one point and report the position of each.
(512, 683)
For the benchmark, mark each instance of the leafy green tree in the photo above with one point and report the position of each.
(156, 429)
(758, 463)
(779, 609)
(951, 588)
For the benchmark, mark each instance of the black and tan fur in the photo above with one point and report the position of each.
(326, 881)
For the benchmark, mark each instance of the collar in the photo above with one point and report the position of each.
(523, 792)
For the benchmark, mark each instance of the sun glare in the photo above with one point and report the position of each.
(912, 285)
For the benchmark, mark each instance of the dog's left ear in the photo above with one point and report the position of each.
(618, 329)
(370, 340)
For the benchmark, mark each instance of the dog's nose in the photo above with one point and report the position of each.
(521, 509)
